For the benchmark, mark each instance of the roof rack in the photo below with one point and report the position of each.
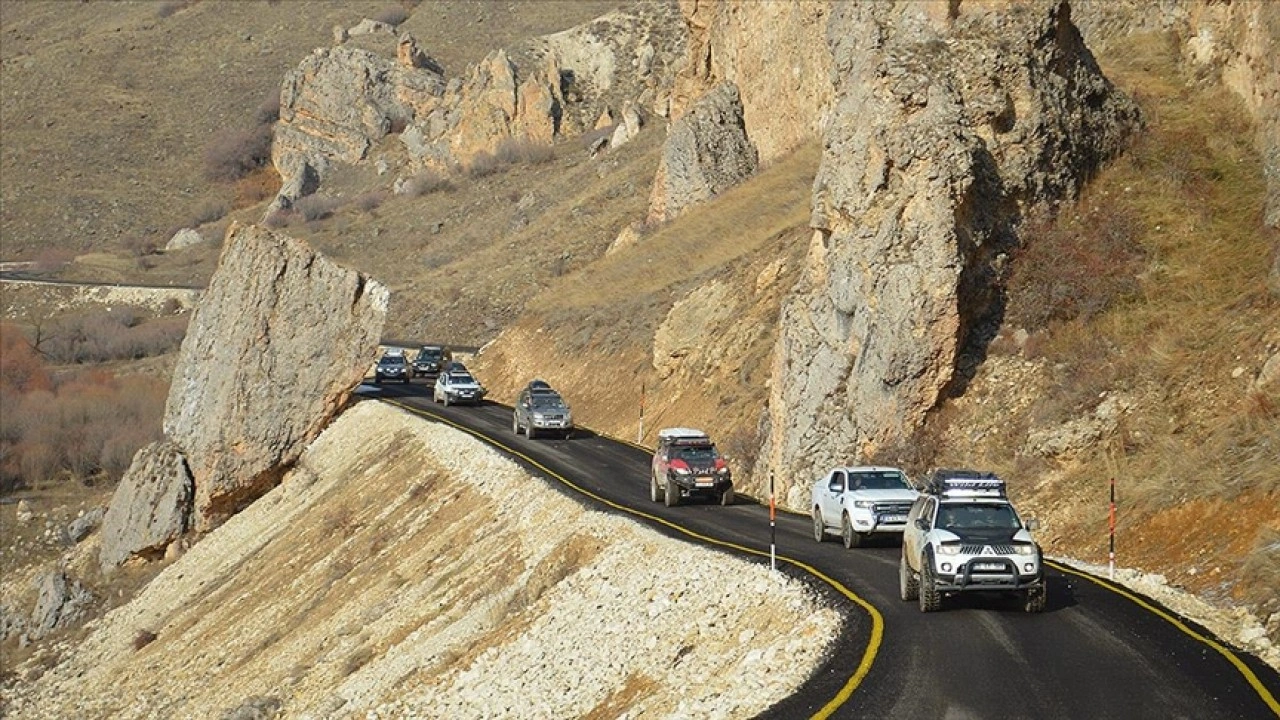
(954, 483)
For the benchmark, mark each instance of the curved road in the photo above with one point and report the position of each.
(1097, 651)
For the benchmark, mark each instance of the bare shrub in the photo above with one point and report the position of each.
(143, 638)
(370, 201)
(268, 111)
(173, 7)
(529, 152)
(232, 154)
(393, 15)
(427, 182)
(257, 186)
(207, 212)
(278, 219)
(1077, 270)
(317, 207)
(483, 164)
(53, 259)
(120, 333)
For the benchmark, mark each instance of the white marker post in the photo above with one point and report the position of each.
(1111, 552)
(640, 432)
(773, 531)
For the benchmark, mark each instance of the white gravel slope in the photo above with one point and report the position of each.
(407, 570)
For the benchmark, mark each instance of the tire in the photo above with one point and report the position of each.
(515, 424)
(655, 494)
(672, 495)
(819, 527)
(446, 399)
(726, 497)
(377, 379)
(930, 598)
(851, 538)
(1034, 599)
(531, 432)
(908, 583)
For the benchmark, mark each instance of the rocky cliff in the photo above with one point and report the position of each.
(952, 123)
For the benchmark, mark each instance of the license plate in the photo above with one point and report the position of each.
(988, 566)
(705, 482)
(893, 518)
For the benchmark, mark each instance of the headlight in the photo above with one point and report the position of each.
(681, 471)
(539, 417)
(1023, 549)
(949, 549)
(723, 471)
(863, 504)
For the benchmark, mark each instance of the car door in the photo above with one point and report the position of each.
(832, 495)
(912, 536)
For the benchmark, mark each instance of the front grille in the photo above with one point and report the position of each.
(980, 549)
(893, 508)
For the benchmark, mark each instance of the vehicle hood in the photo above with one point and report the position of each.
(463, 386)
(885, 495)
(987, 536)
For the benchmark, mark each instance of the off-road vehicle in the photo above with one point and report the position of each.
(454, 386)
(392, 367)
(963, 535)
(687, 464)
(539, 409)
(429, 361)
(859, 502)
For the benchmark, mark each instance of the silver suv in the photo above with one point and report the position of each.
(963, 535)
(539, 408)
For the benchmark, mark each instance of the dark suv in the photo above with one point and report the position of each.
(392, 367)
(687, 464)
(429, 361)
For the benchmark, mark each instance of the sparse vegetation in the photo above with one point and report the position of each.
(317, 207)
(426, 182)
(233, 154)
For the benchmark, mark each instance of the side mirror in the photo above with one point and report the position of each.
(834, 486)
(1032, 524)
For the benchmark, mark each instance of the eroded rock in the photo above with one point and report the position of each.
(150, 508)
(60, 602)
(280, 339)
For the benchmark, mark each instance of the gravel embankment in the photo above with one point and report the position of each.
(406, 570)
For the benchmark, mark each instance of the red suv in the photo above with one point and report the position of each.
(686, 464)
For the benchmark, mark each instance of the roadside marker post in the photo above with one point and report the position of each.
(1111, 550)
(773, 531)
(640, 432)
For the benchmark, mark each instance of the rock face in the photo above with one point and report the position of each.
(281, 337)
(150, 508)
(952, 121)
(340, 101)
(60, 602)
(706, 152)
(776, 54)
(184, 238)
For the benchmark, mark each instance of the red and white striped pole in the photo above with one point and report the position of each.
(640, 432)
(773, 531)
(1111, 553)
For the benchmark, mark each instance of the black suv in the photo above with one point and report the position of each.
(392, 367)
(430, 360)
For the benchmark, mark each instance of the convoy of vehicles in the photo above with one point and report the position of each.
(538, 409)
(686, 464)
(963, 535)
(859, 502)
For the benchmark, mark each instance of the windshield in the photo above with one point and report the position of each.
(547, 402)
(393, 360)
(878, 480)
(461, 378)
(978, 517)
(429, 355)
(696, 454)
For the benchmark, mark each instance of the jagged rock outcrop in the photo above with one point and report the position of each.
(281, 337)
(184, 238)
(776, 54)
(706, 152)
(150, 508)
(340, 101)
(952, 122)
(60, 602)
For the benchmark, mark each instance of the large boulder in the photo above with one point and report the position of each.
(150, 508)
(707, 151)
(952, 122)
(280, 339)
(60, 602)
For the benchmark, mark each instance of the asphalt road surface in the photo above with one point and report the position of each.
(1097, 651)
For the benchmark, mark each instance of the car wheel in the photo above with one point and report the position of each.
(928, 595)
(851, 538)
(446, 399)
(515, 424)
(531, 431)
(819, 527)
(655, 494)
(726, 497)
(908, 583)
(672, 496)
(1034, 599)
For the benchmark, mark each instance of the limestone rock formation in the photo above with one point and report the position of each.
(60, 602)
(776, 54)
(627, 129)
(281, 337)
(184, 238)
(150, 508)
(952, 122)
(706, 152)
(85, 524)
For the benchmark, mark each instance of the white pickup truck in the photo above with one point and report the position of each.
(861, 501)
